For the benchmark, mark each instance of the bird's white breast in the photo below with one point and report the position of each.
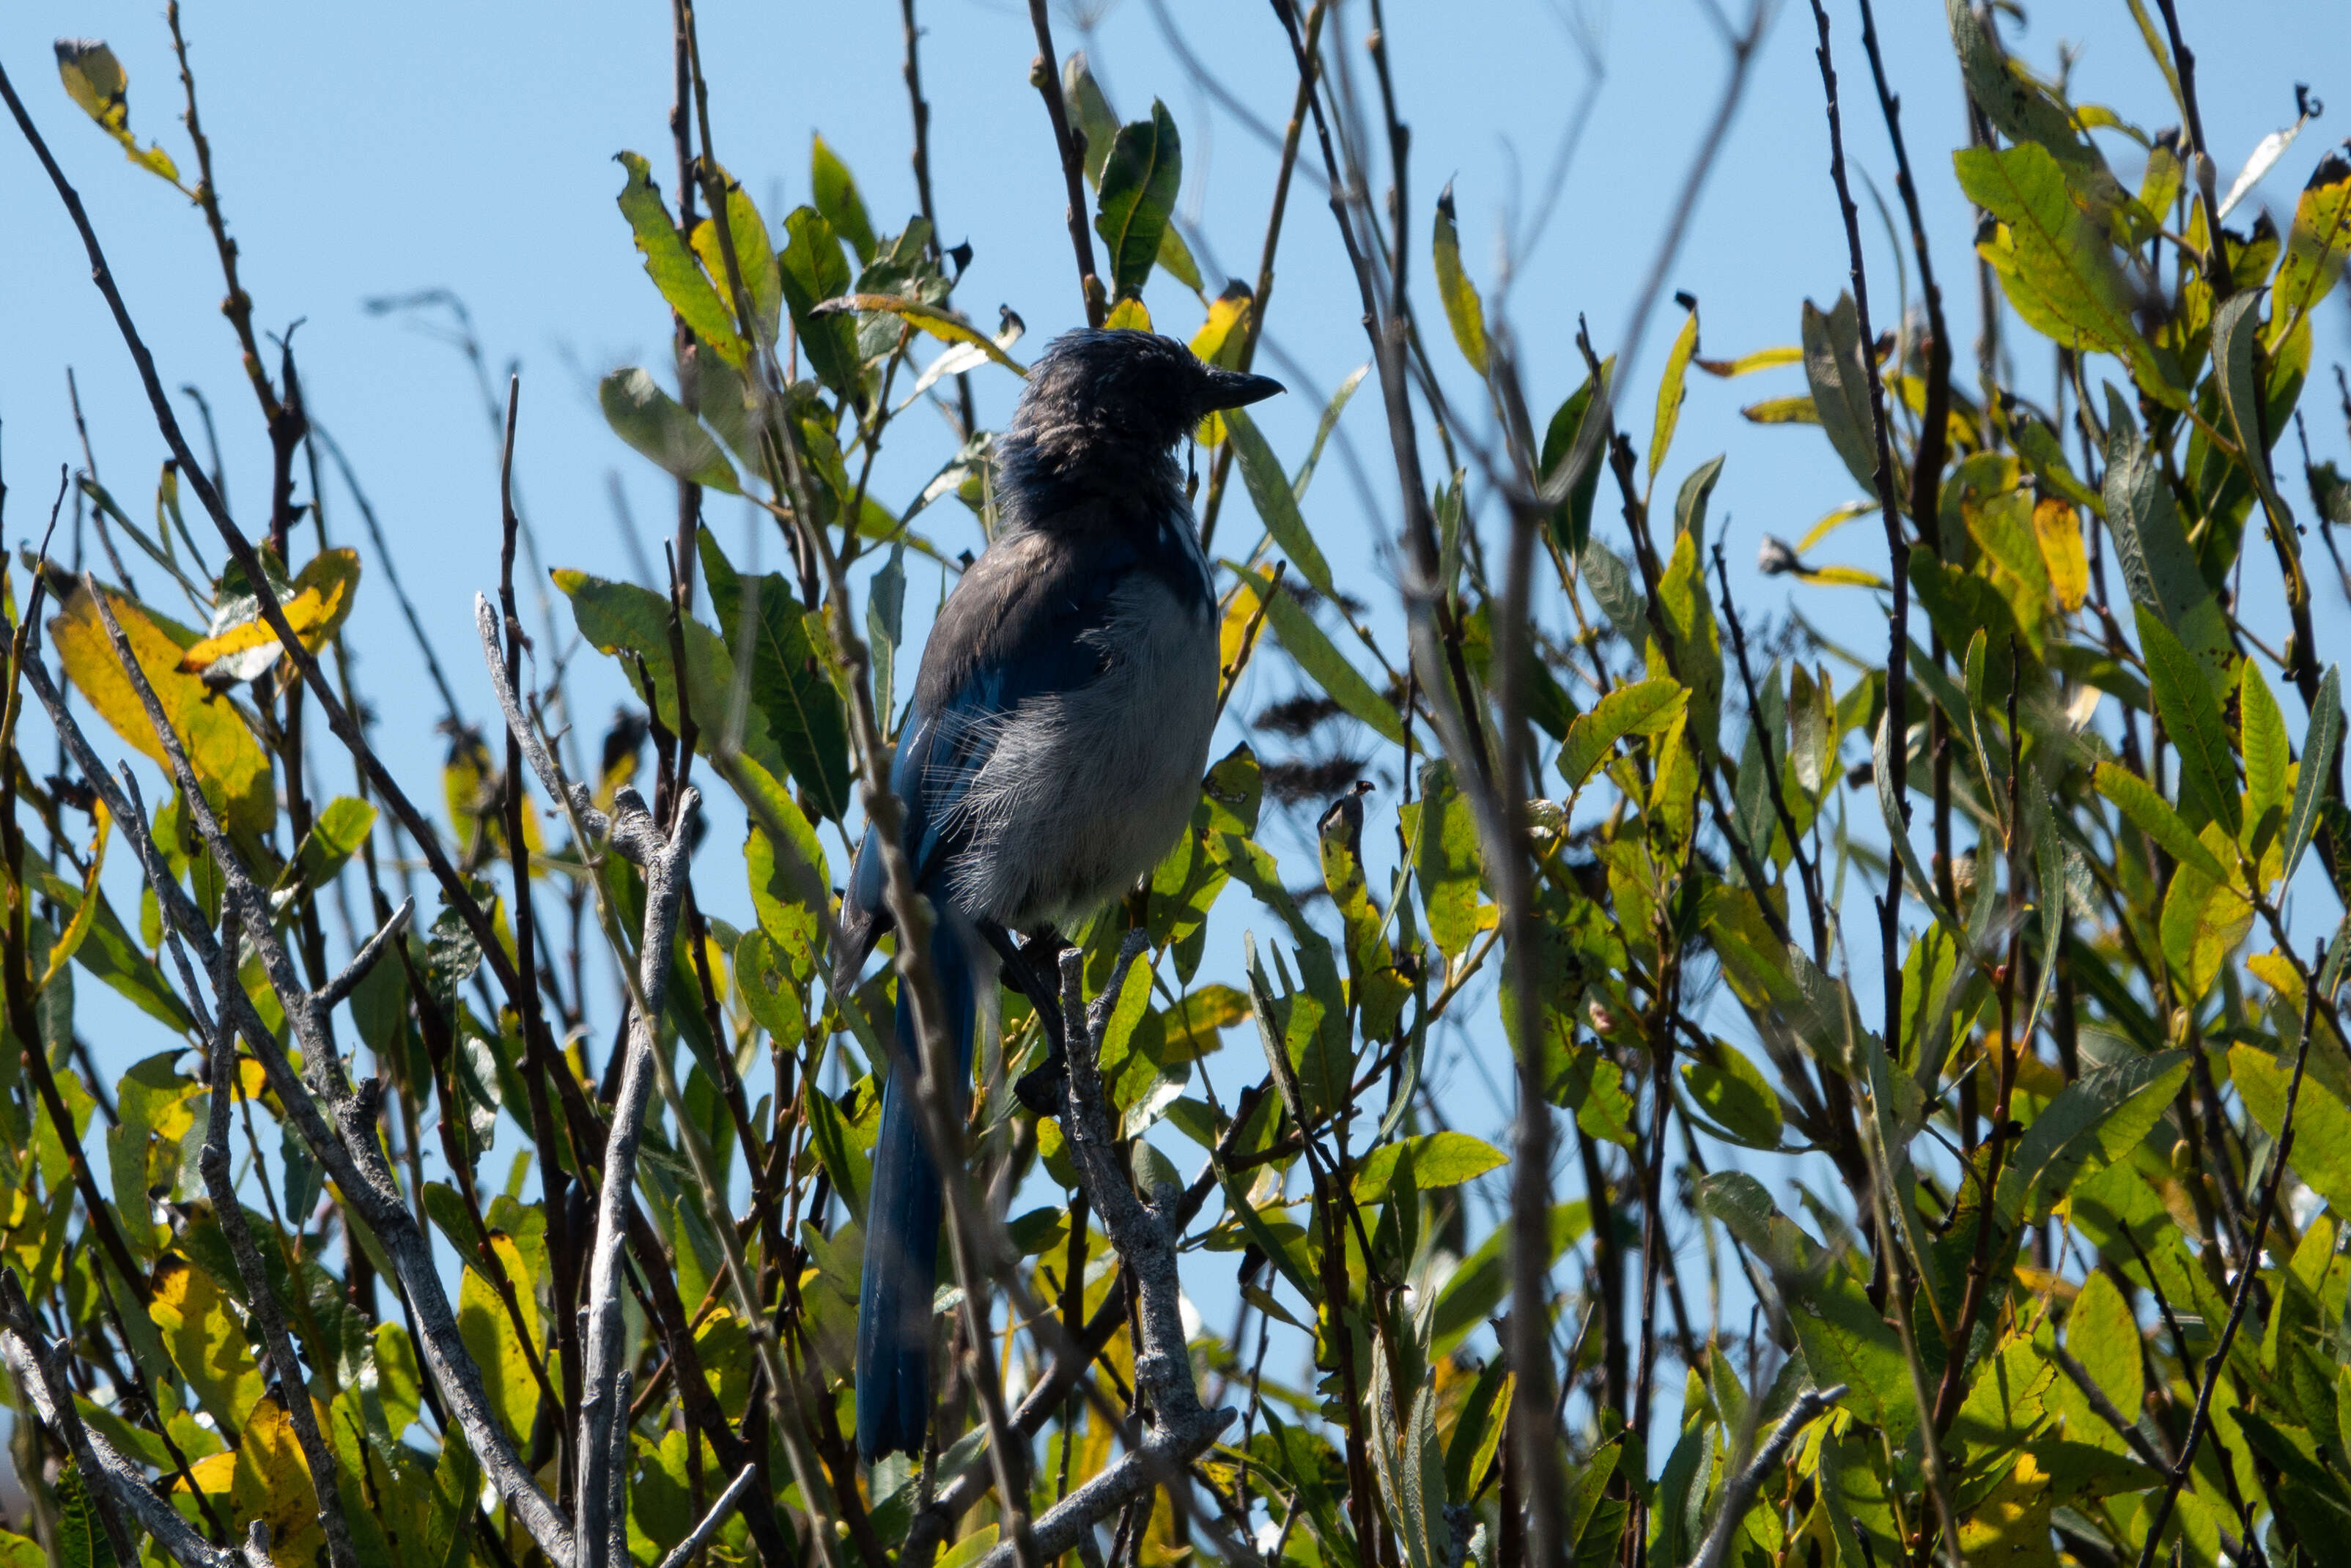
(1085, 790)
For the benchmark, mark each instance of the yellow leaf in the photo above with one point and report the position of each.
(319, 602)
(1746, 364)
(2058, 528)
(78, 927)
(1240, 609)
(1843, 577)
(266, 1479)
(487, 1330)
(95, 79)
(1834, 520)
(2010, 1525)
(1669, 394)
(1128, 316)
(205, 1342)
(1219, 338)
(220, 748)
(1218, 341)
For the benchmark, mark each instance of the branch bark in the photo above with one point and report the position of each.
(1181, 1427)
(336, 1124)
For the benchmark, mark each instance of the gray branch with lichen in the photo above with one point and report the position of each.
(336, 1122)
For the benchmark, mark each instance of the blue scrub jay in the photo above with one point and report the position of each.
(1053, 753)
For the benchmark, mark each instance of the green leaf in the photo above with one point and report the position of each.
(935, 319)
(2315, 250)
(334, 837)
(1438, 1160)
(671, 265)
(1642, 707)
(755, 258)
(110, 955)
(2236, 333)
(1737, 1096)
(81, 1540)
(814, 270)
(1840, 383)
(1446, 860)
(1478, 1430)
(2321, 1123)
(2092, 1122)
(488, 1331)
(1671, 393)
(2054, 262)
(1464, 311)
(1689, 502)
(2019, 108)
(2202, 921)
(657, 425)
(2159, 569)
(1329, 668)
(1275, 502)
(2317, 765)
(2102, 1334)
(1898, 832)
(620, 618)
(1139, 184)
(2207, 771)
(1688, 615)
(836, 197)
(789, 685)
(1614, 590)
(2151, 814)
(1090, 114)
(885, 608)
(839, 1149)
(1470, 1294)
(1322, 428)
(95, 79)
(2260, 731)
(1571, 523)
(2045, 458)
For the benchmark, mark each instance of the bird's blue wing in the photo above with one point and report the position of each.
(1016, 628)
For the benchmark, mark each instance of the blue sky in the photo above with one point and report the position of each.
(370, 151)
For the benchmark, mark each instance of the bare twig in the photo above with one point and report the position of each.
(1181, 1427)
(699, 1536)
(268, 1313)
(2247, 1273)
(1738, 1496)
(1045, 76)
(39, 1368)
(663, 855)
(346, 1146)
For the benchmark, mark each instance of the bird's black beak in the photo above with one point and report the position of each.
(1235, 389)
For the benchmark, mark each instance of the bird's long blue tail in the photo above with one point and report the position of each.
(902, 1230)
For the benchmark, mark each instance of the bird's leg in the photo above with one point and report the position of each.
(1041, 1089)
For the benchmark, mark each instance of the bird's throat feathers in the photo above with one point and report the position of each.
(1079, 472)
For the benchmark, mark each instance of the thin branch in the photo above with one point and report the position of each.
(1181, 1427)
(348, 1147)
(339, 718)
(699, 1537)
(39, 1372)
(268, 1313)
(2246, 1274)
(334, 991)
(1740, 1495)
(637, 838)
(1045, 76)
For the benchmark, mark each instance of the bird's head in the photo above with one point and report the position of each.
(1100, 395)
